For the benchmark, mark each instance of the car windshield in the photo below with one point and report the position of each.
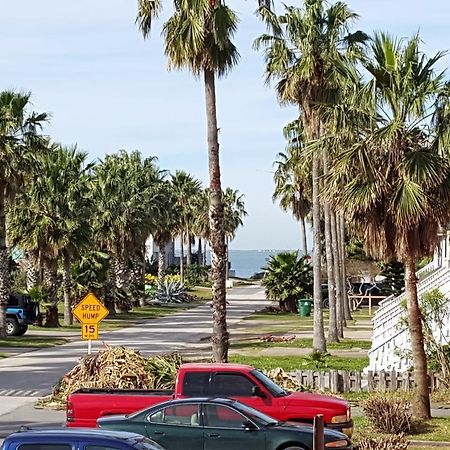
(254, 415)
(272, 387)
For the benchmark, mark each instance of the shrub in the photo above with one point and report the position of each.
(196, 275)
(384, 443)
(388, 414)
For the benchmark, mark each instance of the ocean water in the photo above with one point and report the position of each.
(246, 263)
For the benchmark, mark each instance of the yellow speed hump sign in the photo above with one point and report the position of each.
(90, 310)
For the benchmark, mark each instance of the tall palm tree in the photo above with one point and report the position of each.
(398, 193)
(306, 52)
(199, 37)
(19, 141)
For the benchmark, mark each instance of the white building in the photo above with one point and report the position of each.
(390, 340)
(152, 252)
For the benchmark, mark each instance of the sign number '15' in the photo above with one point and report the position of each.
(89, 330)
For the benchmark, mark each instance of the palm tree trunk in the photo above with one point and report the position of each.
(182, 257)
(303, 234)
(319, 343)
(189, 252)
(422, 395)
(346, 303)
(67, 284)
(220, 336)
(4, 266)
(32, 268)
(227, 243)
(337, 276)
(199, 252)
(51, 315)
(161, 261)
(332, 324)
(120, 273)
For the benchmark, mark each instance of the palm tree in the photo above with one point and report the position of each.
(292, 179)
(51, 218)
(398, 193)
(18, 142)
(186, 190)
(199, 37)
(306, 52)
(234, 212)
(166, 224)
(127, 204)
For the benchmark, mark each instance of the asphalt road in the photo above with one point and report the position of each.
(29, 375)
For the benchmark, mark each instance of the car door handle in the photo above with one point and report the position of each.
(159, 432)
(214, 435)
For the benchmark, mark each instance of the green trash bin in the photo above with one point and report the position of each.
(304, 307)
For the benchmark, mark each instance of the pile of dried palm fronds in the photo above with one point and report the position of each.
(271, 338)
(285, 380)
(116, 368)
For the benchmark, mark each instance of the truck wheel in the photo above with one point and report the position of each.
(12, 327)
(22, 330)
(294, 448)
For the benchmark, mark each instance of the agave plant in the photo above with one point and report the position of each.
(171, 291)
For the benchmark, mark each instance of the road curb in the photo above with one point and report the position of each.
(429, 444)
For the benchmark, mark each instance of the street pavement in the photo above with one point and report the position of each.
(29, 375)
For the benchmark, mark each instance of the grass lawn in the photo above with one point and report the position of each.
(302, 343)
(289, 363)
(31, 341)
(436, 430)
(202, 292)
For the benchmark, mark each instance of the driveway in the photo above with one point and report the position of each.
(32, 374)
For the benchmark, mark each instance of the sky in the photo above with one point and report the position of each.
(106, 88)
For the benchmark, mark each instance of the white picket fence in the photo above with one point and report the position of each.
(339, 381)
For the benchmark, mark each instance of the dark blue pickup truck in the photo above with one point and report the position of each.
(20, 313)
(69, 439)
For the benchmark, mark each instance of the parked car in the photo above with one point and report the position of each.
(20, 312)
(219, 424)
(66, 439)
(238, 381)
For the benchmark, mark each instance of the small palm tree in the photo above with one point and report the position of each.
(287, 279)
(199, 37)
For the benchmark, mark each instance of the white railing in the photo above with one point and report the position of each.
(388, 337)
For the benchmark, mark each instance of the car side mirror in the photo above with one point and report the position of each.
(257, 392)
(248, 426)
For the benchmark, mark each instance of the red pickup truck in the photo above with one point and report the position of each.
(241, 382)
